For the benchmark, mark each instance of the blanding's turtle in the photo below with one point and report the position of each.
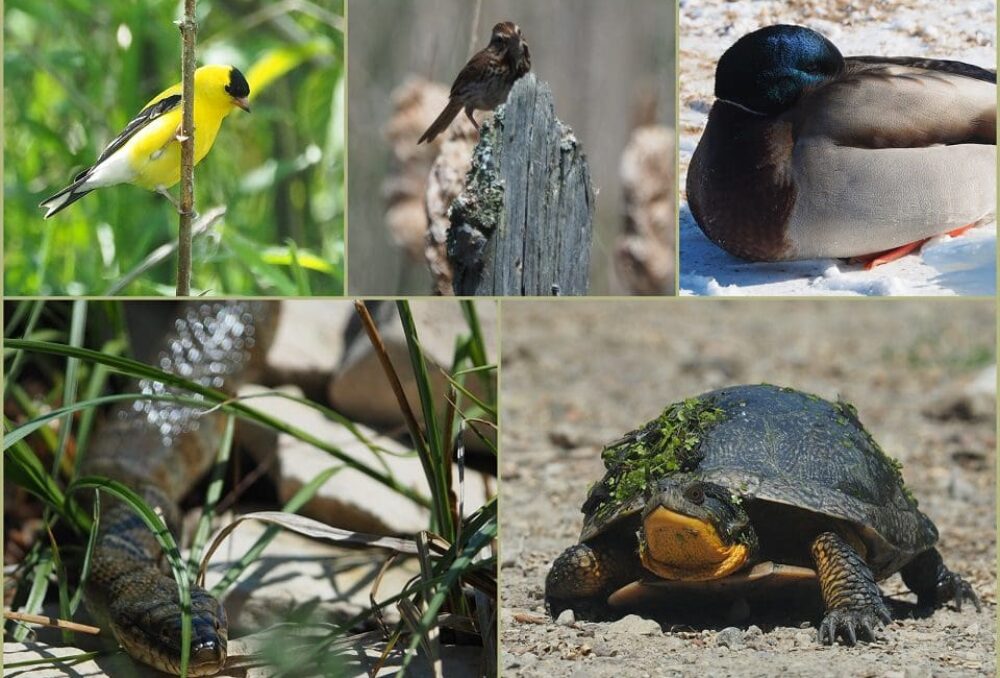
(749, 479)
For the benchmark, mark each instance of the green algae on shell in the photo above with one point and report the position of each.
(665, 445)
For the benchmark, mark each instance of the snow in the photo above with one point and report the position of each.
(965, 265)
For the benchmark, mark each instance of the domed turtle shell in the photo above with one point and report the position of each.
(768, 443)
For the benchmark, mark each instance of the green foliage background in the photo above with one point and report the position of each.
(76, 71)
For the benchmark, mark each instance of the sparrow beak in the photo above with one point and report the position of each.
(242, 102)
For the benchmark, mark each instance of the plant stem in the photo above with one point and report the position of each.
(189, 28)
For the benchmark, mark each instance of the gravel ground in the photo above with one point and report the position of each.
(577, 374)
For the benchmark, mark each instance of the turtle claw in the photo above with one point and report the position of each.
(852, 624)
(955, 589)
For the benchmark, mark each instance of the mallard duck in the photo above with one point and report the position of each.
(809, 154)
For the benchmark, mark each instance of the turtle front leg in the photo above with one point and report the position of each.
(582, 578)
(936, 585)
(853, 600)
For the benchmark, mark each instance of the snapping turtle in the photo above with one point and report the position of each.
(753, 479)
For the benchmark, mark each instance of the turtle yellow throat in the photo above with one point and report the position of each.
(695, 531)
(679, 547)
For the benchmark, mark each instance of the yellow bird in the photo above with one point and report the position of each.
(148, 151)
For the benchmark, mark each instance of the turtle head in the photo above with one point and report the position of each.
(695, 530)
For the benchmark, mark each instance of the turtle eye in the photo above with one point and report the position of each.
(695, 494)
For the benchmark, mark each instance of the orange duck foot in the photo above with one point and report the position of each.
(872, 260)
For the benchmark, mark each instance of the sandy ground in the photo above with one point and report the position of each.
(963, 31)
(578, 374)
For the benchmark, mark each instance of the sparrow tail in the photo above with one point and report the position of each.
(442, 122)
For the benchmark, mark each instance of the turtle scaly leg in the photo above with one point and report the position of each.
(936, 585)
(853, 600)
(583, 577)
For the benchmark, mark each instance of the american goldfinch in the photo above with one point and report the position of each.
(148, 151)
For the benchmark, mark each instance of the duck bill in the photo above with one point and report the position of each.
(242, 102)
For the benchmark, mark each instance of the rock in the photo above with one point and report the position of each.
(730, 637)
(360, 389)
(528, 659)
(309, 341)
(671, 643)
(805, 639)
(508, 660)
(635, 625)
(960, 488)
(566, 618)
(972, 401)
(602, 648)
(644, 256)
(350, 499)
(565, 435)
(921, 670)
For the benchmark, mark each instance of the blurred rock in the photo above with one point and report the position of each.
(308, 344)
(446, 182)
(415, 105)
(360, 389)
(644, 256)
(973, 400)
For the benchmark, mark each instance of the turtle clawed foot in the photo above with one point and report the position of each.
(953, 589)
(852, 624)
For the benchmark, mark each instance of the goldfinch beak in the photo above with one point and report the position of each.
(242, 102)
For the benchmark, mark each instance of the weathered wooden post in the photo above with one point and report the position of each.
(523, 224)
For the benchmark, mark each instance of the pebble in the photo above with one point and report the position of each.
(918, 671)
(804, 639)
(566, 436)
(961, 489)
(566, 618)
(603, 648)
(527, 659)
(635, 625)
(753, 636)
(730, 637)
